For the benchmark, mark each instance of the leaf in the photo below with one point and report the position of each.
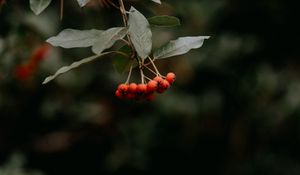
(70, 38)
(180, 46)
(122, 62)
(74, 65)
(157, 1)
(108, 38)
(82, 3)
(164, 21)
(37, 6)
(140, 33)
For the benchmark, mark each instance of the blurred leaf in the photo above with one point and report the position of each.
(37, 6)
(164, 21)
(70, 38)
(157, 1)
(141, 35)
(82, 3)
(74, 65)
(180, 46)
(121, 62)
(108, 38)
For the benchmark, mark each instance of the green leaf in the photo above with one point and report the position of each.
(157, 1)
(37, 6)
(122, 62)
(74, 65)
(140, 33)
(108, 38)
(180, 46)
(70, 38)
(82, 3)
(164, 21)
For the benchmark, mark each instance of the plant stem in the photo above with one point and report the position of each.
(156, 70)
(61, 9)
(129, 74)
(125, 20)
(142, 76)
(118, 52)
(123, 12)
(150, 69)
(149, 79)
(126, 42)
(113, 4)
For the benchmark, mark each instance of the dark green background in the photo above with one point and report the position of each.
(233, 110)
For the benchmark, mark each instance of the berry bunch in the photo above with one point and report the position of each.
(145, 91)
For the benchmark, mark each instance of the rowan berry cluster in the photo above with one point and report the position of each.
(145, 91)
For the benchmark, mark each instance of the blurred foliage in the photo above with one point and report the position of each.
(234, 108)
(15, 166)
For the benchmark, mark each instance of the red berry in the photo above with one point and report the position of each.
(141, 89)
(118, 94)
(165, 84)
(123, 88)
(152, 86)
(170, 77)
(158, 79)
(132, 88)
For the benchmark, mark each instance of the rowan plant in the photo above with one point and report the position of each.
(137, 52)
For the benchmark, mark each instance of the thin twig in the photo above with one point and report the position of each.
(125, 19)
(61, 9)
(142, 76)
(114, 5)
(149, 79)
(156, 70)
(150, 70)
(125, 41)
(123, 12)
(129, 74)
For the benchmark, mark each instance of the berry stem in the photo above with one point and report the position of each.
(150, 70)
(61, 9)
(155, 68)
(113, 4)
(147, 78)
(142, 76)
(129, 75)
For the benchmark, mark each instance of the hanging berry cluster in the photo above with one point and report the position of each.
(145, 91)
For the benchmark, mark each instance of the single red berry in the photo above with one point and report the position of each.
(123, 88)
(170, 77)
(118, 94)
(165, 84)
(141, 89)
(158, 79)
(152, 86)
(132, 88)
